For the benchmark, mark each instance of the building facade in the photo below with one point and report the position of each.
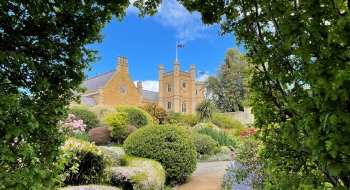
(178, 90)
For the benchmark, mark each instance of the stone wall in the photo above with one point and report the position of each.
(245, 117)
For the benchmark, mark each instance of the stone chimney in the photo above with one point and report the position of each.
(122, 65)
(139, 87)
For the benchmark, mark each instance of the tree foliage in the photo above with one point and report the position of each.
(42, 57)
(159, 114)
(300, 84)
(229, 88)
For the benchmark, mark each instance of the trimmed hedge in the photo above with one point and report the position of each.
(136, 116)
(89, 118)
(204, 143)
(100, 135)
(138, 174)
(200, 126)
(84, 163)
(101, 111)
(168, 144)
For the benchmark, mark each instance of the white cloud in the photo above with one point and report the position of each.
(151, 85)
(203, 77)
(172, 14)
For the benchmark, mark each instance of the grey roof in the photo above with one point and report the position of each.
(150, 95)
(89, 101)
(96, 82)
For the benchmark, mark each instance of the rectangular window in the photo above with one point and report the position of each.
(196, 93)
(184, 106)
(169, 105)
(169, 87)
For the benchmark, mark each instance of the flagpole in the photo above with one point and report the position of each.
(176, 51)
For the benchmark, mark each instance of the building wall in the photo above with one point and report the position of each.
(111, 93)
(179, 92)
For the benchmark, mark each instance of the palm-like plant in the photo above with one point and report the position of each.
(205, 110)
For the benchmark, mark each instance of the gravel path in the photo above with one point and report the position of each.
(207, 176)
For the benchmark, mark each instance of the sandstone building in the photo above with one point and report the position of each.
(178, 89)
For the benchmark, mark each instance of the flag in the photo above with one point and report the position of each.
(180, 45)
(202, 72)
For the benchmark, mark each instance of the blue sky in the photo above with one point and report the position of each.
(151, 41)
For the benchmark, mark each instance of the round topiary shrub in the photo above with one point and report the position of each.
(84, 163)
(101, 111)
(100, 135)
(225, 150)
(89, 118)
(200, 126)
(168, 144)
(204, 143)
(136, 116)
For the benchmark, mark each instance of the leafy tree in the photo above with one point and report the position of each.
(300, 84)
(205, 110)
(42, 57)
(159, 114)
(229, 88)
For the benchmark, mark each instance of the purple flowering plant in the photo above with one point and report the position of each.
(247, 171)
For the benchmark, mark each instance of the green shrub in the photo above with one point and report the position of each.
(219, 136)
(100, 135)
(136, 116)
(81, 136)
(182, 119)
(201, 126)
(226, 121)
(168, 144)
(225, 150)
(188, 129)
(189, 119)
(101, 111)
(115, 152)
(174, 117)
(138, 174)
(84, 162)
(90, 187)
(116, 122)
(204, 143)
(89, 118)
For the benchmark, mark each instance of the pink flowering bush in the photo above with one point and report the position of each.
(71, 125)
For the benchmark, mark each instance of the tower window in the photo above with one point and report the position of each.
(169, 105)
(169, 87)
(184, 106)
(196, 92)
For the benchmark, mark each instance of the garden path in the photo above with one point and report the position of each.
(207, 176)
